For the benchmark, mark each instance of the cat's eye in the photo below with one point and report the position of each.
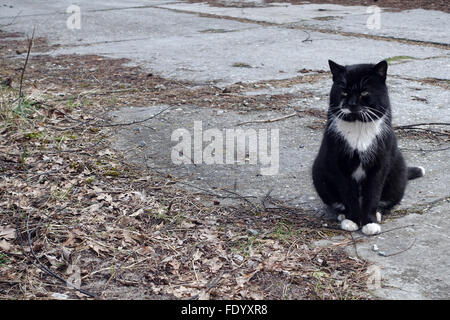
(364, 93)
(344, 93)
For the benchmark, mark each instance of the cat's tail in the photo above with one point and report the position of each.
(415, 172)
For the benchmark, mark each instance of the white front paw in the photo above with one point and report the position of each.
(348, 225)
(341, 217)
(371, 229)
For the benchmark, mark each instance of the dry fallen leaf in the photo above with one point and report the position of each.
(175, 264)
(245, 278)
(182, 291)
(146, 250)
(98, 248)
(105, 196)
(54, 261)
(94, 207)
(71, 239)
(7, 233)
(127, 237)
(137, 213)
(204, 295)
(75, 275)
(213, 264)
(197, 255)
(5, 246)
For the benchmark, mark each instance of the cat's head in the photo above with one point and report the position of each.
(359, 92)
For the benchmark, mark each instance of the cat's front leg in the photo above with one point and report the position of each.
(371, 190)
(352, 207)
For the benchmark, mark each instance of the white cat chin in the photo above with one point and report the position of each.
(371, 229)
(348, 225)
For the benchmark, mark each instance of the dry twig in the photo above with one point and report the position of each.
(30, 44)
(269, 120)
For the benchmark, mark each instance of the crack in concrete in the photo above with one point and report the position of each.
(421, 208)
(88, 10)
(439, 45)
(436, 82)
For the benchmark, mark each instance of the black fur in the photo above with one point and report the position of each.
(362, 92)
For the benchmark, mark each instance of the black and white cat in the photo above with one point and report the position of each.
(359, 168)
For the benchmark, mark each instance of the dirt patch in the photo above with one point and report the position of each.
(13, 44)
(441, 5)
(437, 82)
(235, 4)
(5, 35)
(432, 134)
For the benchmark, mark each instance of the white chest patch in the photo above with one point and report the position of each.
(359, 173)
(359, 135)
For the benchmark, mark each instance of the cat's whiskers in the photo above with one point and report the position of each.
(365, 117)
(339, 114)
(372, 111)
(369, 116)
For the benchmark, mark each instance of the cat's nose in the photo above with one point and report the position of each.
(352, 102)
(354, 107)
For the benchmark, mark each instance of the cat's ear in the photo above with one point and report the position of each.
(381, 69)
(337, 70)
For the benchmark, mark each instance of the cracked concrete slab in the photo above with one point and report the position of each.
(199, 49)
(278, 13)
(421, 25)
(28, 8)
(412, 260)
(153, 146)
(266, 52)
(435, 67)
(127, 24)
